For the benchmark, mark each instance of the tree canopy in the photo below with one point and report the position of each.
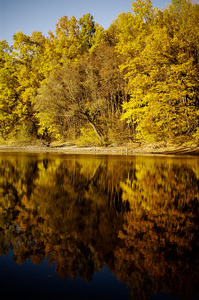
(136, 80)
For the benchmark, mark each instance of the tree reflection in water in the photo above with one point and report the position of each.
(137, 215)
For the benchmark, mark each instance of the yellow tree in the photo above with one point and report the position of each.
(28, 52)
(66, 40)
(10, 105)
(163, 74)
(132, 28)
(72, 38)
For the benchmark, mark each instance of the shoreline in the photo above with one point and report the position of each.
(110, 150)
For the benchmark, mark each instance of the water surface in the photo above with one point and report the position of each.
(99, 227)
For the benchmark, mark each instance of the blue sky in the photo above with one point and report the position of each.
(42, 15)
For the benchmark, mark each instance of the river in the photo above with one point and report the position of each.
(99, 227)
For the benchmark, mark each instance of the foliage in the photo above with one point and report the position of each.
(85, 92)
(141, 75)
(162, 69)
(10, 106)
(88, 137)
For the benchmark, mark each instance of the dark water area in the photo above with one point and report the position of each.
(99, 227)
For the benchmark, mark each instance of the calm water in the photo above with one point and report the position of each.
(99, 227)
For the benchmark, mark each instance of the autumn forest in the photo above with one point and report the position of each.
(138, 80)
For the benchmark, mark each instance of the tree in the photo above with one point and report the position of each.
(132, 30)
(66, 41)
(87, 31)
(71, 93)
(72, 38)
(89, 91)
(163, 75)
(10, 105)
(27, 51)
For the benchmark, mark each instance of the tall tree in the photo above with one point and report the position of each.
(163, 75)
(87, 30)
(88, 91)
(28, 51)
(10, 105)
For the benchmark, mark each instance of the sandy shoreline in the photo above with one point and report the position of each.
(115, 150)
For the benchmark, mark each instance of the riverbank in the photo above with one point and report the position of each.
(130, 149)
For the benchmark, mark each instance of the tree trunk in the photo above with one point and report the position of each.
(97, 133)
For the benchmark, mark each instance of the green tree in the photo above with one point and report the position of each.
(87, 31)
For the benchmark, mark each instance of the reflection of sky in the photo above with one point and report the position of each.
(16, 228)
(42, 15)
(30, 281)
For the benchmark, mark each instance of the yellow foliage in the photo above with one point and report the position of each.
(88, 137)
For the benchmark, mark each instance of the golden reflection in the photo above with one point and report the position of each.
(137, 215)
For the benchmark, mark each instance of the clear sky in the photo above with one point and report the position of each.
(42, 15)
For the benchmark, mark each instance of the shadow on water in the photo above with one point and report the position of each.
(127, 224)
